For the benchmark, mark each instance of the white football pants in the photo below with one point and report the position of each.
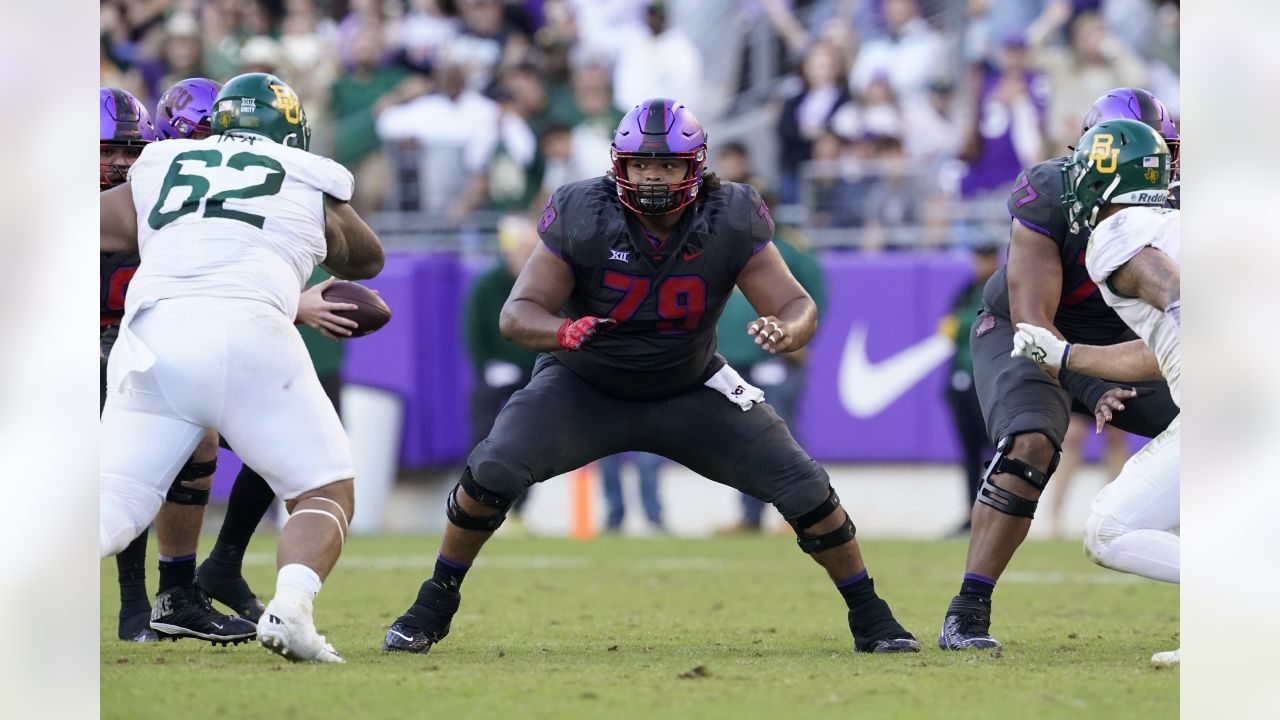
(1135, 520)
(237, 366)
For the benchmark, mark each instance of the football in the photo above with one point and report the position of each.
(371, 314)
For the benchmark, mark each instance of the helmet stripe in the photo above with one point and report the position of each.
(1148, 112)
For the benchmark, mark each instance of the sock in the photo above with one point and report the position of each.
(176, 572)
(250, 499)
(857, 589)
(448, 575)
(977, 585)
(297, 581)
(131, 566)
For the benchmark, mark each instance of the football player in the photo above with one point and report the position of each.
(1117, 183)
(181, 610)
(1044, 283)
(229, 228)
(622, 298)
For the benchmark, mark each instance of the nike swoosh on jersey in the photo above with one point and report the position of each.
(867, 389)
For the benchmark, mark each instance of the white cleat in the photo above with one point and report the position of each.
(1169, 658)
(287, 630)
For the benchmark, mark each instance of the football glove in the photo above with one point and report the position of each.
(574, 334)
(1040, 346)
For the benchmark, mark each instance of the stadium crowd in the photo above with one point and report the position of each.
(890, 123)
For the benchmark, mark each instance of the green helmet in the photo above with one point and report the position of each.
(1118, 161)
(261, 104)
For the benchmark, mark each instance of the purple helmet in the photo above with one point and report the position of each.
(185, 109)
(659, 128)
(1136, 104)
(122, 122)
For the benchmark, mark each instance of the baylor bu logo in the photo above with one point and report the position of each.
(287, 103)
(1102, 154)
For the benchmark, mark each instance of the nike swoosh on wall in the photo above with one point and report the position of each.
(867, 389)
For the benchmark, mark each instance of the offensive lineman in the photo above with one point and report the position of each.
(1117, 183)
(1044, 283)
(125, 128)
(229, 229)
(622, 299)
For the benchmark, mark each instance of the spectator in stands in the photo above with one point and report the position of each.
(647, 467)
(961, 395)
(486, 42)
(605, 26)
(442, 127)
(424, 33)
(507, 171)
(807, 115)
(896, 201)
(781, 377)
(501, 367)
(660, 61)
(597, 121)
(931, 125)
(556, 144)
(352, 99)
(1095, 62)
(910, 52)
(1007, 130)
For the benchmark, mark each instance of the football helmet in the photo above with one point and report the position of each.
(185, 109)
(122, 123)
(1136, 104)
(1117, 161)
(261, 104)
(659, 128)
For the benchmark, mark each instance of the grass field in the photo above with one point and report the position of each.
(611, 628)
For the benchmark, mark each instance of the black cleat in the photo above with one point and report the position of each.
(404, 637)
(135, 627)
(876, 631)
(231, 591)
(186, 612)
(967, 625)
(426, 623)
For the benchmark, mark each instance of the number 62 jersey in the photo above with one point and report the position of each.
(231, 217)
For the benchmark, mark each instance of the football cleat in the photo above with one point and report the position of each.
(426, 623)
(404, 637)
(287, 630)
(136, 628)
(186, 612)
(1168, 658)
(231, 591)
(876, 631)
(967, 625)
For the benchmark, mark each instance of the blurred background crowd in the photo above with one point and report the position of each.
(870, 127)
(885, 123)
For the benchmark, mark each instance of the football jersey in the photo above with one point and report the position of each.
(116, 269)
(666, 296)
(1115, 242)
(1082, 315)
(232, 217)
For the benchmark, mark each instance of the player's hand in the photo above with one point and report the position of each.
(1111, 402)
(1040, 346)
(771, 334)
(316, 312)
(574, 334)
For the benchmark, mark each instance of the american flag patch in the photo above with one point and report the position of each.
(1151, 161)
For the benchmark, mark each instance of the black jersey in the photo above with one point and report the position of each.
(1083, 316)
(117, 270)
(666, 297)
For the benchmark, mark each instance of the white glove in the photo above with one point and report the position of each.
(1040, 346)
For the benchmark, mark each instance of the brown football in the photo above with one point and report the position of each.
(372, 313)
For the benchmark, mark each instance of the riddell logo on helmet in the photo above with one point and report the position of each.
(1151, 198)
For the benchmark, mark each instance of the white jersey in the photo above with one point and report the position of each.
(1115, 242)
(230, 217)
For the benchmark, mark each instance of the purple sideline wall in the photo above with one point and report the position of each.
(890, 302)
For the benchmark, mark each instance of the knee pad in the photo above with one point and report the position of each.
(466, 520)
(817, 543)
(182, 494)
(996, 497)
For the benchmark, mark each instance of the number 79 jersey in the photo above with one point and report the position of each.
(230, 216)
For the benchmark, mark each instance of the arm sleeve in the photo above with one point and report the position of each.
(1085, 388)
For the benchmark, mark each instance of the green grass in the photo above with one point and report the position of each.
(562, 629)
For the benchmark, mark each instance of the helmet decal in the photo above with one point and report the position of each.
(186, 109)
